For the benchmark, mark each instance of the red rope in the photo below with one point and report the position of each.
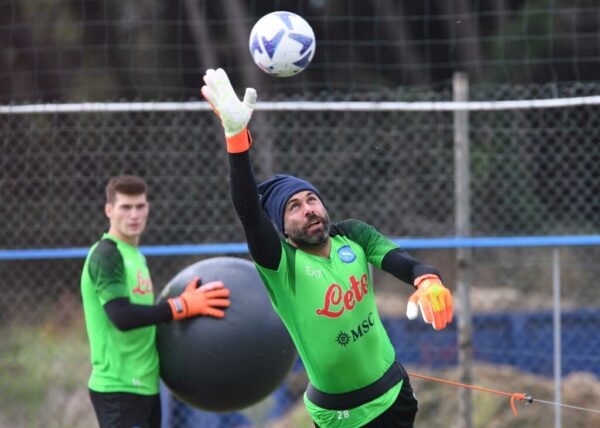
(513, 396)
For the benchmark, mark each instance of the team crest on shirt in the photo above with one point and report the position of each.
(346, 254)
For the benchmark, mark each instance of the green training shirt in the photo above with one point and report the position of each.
(122, 361)
(328, 306)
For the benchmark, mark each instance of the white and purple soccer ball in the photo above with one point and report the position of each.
(282, 44)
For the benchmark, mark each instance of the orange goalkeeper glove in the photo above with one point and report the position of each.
(234, 114)
(199, 299)
(434, 300)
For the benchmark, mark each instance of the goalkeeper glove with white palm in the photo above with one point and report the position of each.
(234, 114)
(433, 299)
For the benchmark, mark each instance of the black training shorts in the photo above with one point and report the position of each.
(126, 410)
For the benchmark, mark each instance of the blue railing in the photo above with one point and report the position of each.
(242, 248)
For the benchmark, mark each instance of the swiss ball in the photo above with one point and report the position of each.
(222, 365)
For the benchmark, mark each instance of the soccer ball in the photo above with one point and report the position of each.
(282, 44)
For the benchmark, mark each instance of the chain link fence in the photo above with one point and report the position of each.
(533, 172)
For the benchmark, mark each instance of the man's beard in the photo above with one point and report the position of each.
(303, 238)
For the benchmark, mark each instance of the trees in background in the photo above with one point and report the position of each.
(107, 50)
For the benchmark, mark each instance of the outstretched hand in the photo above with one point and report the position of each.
(234, 114)
(433, 299)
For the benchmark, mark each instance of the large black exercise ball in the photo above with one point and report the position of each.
(221, 365)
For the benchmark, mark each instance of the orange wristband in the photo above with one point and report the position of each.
(240, 142)
(422, 278)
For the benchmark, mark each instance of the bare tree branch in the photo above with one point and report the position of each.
(197, 23)
(406, 53)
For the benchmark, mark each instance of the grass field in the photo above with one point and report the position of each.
(44, 375)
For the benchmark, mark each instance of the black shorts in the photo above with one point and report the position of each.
(401, 414)
(126, 410)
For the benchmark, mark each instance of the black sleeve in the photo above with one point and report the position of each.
(127, 316)
(106, 270)
(404, 267)
(263, 240)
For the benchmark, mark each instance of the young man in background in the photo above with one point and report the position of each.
(120, 315)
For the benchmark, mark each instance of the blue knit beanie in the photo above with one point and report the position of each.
(277, 191)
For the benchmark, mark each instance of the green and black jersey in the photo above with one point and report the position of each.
(327, 304)
(122, 361)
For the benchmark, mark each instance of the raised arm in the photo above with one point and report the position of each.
(262, 237)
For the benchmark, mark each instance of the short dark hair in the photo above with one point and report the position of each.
(124, 184)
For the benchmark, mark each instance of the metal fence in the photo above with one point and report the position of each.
(533, 172)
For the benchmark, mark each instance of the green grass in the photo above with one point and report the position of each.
(43, 367)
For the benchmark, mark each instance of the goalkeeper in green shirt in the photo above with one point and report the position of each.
(317, 276)
(120, 315)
